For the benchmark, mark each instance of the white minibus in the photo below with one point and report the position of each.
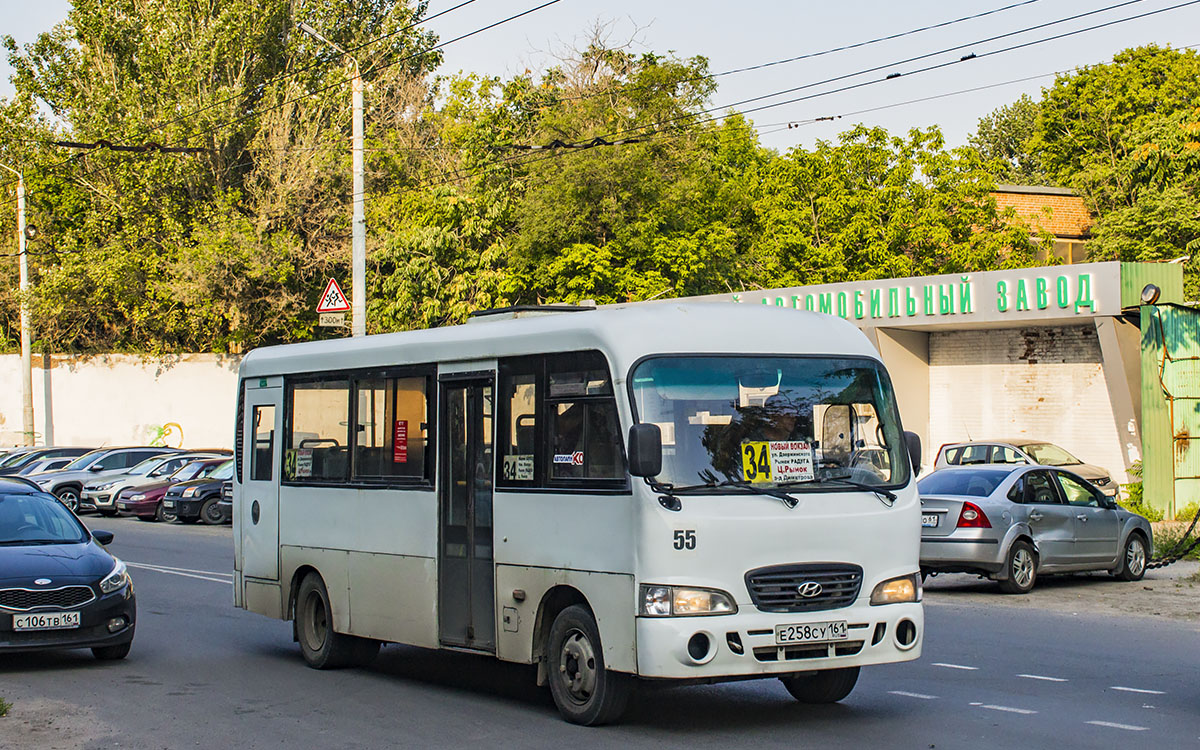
(669, 491)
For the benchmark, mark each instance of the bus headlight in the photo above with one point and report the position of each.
(678, 601)
(896, 590)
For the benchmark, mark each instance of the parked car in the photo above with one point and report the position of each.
(1014, 523)
(18, 458)
(1022, 452)
(40, 465)
(11, 484)
(145, 501)
(226, 501)
(101, 494)
(59, 587)
(67, 483)
(198, 499)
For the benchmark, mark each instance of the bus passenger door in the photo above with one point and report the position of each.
(258, 514)
(466, 582)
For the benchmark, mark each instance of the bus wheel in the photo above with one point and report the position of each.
(826, 686)
(584, 691)
(321, 647)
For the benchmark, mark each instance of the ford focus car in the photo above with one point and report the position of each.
(59, 587)
(1013, 524)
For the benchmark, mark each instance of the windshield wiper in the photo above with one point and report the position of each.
(887, 497)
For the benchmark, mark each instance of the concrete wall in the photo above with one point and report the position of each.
(121, 399)
(1045, 383)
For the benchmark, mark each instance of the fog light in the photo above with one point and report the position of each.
(906, 634)
(698, 646)
(116, 623)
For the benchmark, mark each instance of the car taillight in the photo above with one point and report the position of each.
(972, 517)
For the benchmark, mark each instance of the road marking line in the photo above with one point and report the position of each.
(157, 569)
(185, 570)
(1042, 677)
(1113, 725)
(1137, 690)
(955, 666)
(907, 694)
(1006, 709)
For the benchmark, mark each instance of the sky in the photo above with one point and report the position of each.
(751, 32)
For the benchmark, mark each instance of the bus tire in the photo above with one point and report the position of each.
(321, 647)
(585, 692)
(825, 686)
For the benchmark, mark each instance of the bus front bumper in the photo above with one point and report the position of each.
(744, 644)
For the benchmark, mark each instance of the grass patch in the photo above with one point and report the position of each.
(4, 706)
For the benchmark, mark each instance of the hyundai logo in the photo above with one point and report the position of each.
(809, 589)
(42, 581)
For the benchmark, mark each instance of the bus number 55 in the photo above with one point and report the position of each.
(685, 539)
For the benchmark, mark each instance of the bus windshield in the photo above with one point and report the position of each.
(772, 420)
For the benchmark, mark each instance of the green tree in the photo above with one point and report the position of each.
(1003, 137)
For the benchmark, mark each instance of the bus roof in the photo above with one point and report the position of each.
(625, 333)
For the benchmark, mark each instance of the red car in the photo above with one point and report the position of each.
(145, 501)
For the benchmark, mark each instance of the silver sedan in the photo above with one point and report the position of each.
(1012, 524)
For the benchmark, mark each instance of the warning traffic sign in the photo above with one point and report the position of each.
(333, 300)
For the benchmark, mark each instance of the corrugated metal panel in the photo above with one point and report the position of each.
(1171, 417)
(1166, 276)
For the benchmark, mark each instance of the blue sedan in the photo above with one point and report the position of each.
(59, 587)
(1012, 524)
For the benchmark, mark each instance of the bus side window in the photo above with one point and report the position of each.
(518, 397)
(264, 444)
(318, 444)
(584, 432)
(392, 431)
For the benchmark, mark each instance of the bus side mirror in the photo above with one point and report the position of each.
(645, 450)
(914, 450)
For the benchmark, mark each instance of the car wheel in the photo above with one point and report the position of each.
(826, 686)
(584, 691)
(1021, 566)
(321, 646)
(1132, 565)
(211, 513)
(161, 514)
(69, 496)
(112, 653)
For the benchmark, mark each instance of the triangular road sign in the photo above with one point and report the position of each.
(333, 299)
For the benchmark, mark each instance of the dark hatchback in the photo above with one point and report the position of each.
(199, 499)
(59, 588)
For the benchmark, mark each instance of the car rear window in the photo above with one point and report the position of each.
(976, 483)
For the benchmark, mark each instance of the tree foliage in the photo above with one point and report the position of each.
(230, 249)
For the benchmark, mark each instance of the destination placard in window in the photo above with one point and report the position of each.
(777, 461)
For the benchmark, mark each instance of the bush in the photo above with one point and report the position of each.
(4, 706)
(1134, 503)
(1167, 537)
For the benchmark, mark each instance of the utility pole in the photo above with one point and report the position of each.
(358, 241)
(26, 354)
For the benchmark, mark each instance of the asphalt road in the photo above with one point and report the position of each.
(204, 674)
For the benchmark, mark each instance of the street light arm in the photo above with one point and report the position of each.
(317, 35)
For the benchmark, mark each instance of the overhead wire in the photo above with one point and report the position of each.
(308, 95)
(892, 76)
(808, 55)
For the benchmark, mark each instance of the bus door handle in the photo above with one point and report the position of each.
(1082, 517)
(1035, 516)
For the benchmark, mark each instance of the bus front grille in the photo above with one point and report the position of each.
(790, 588)
(814, 651)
